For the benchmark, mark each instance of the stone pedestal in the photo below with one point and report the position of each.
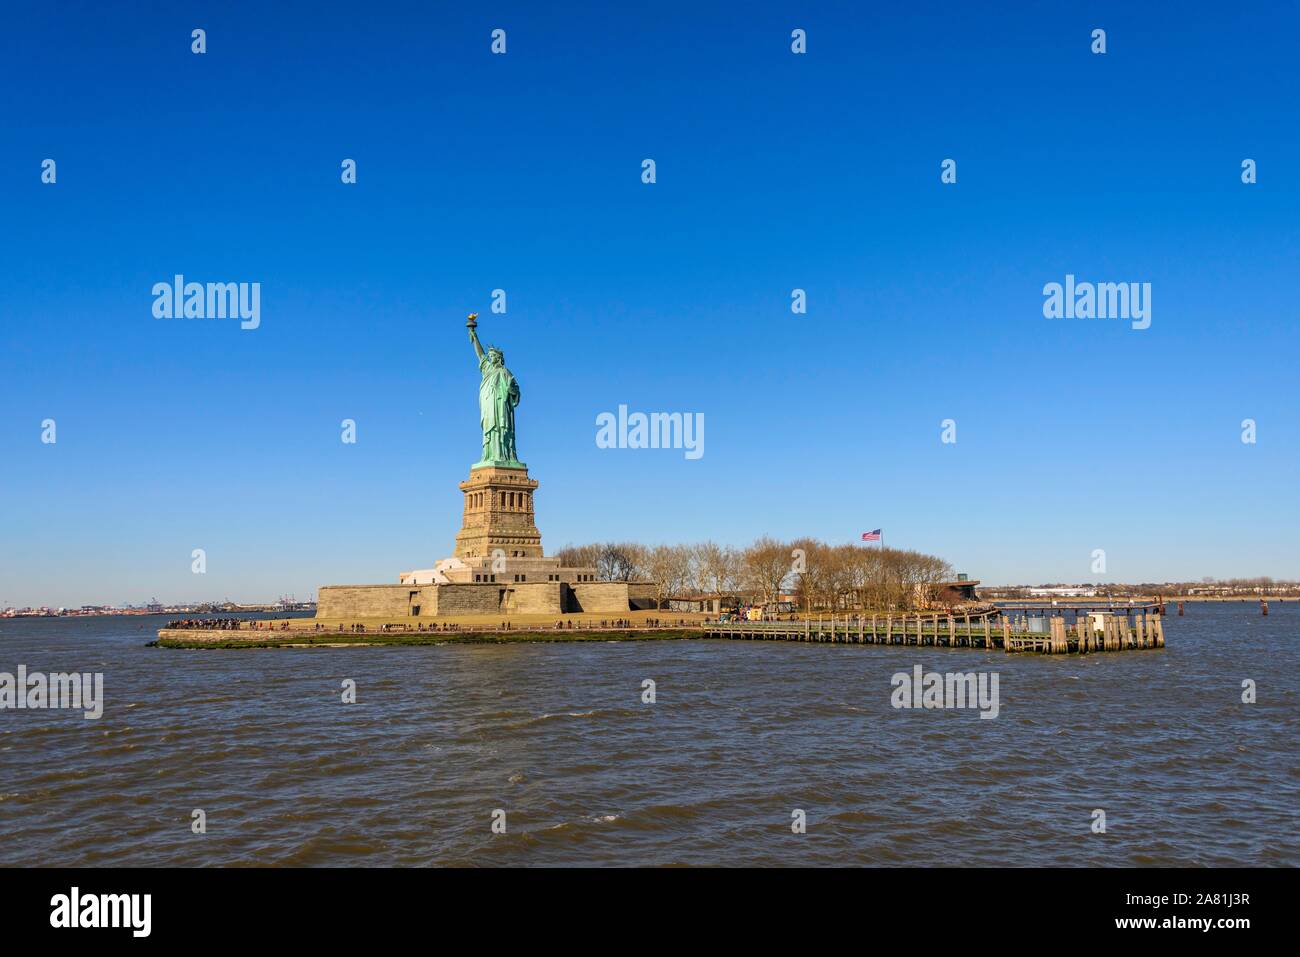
(498, 569)
(498, 514)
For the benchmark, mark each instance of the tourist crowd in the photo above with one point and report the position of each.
(220, 624)
(228, 624)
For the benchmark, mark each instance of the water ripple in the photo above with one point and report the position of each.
(742, 736)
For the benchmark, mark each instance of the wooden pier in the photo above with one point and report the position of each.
(1088, 633)
(986, 629)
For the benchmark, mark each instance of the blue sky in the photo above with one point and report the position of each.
(523, 172)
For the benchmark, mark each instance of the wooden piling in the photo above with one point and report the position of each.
(1056, 640)
(1116, 632)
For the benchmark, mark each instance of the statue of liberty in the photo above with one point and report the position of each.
(498, 394)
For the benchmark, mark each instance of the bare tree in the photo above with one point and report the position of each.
(579, 556)
(717, 568)
(766, 564)
(669, 567)
(618, 561)
(809, 571)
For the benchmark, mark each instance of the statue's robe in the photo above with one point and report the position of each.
(498, 394)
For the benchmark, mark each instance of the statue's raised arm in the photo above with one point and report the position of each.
(472, 324)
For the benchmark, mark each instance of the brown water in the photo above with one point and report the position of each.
(741, 734)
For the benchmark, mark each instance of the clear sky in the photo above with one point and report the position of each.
(522, 171)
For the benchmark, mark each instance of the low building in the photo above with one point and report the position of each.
(702, 604)
(954, 592)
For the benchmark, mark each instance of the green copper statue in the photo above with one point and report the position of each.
(498, 394)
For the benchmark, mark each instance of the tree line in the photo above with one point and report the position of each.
(818, 575)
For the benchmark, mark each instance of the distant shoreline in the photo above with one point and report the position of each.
(167, 613)
(309, 612)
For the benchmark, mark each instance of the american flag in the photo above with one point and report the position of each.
(871, 536)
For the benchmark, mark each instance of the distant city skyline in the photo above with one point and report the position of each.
(1265, 582)
(775, 173)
